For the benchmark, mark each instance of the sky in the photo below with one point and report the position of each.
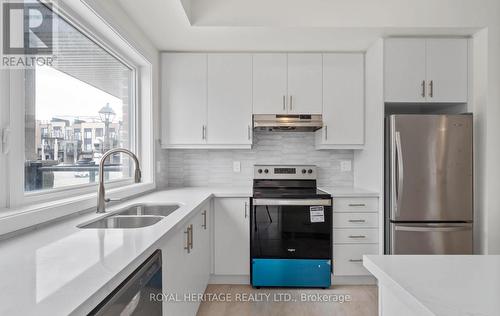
(60, 95)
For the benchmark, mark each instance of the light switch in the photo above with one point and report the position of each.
(236, 166)
(345, 166)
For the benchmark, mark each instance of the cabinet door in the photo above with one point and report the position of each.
(183, 98)
(305, 83)
(404, 61)
(343, 99)
(232, 239)
(229, 99)
(201, 248)
(447, 70)
(176, 273)
(269, 83)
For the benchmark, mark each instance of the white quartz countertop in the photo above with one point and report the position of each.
(452, 285)
(349, 192)
(61, 269)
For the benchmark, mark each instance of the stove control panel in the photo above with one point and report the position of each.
(291, 172)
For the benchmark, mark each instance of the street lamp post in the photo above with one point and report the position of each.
(106, 114)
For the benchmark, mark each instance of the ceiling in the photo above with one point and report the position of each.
(296, 25)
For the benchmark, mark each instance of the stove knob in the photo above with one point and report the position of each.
(303, 170)
(310, 171)
(266, 171)
(259, 171)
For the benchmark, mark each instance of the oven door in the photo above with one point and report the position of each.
(291, 228)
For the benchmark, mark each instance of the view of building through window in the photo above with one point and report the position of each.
(75, 112)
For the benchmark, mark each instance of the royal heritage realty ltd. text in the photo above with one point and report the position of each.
(251, 297)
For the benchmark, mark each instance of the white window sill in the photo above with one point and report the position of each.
(12, 220)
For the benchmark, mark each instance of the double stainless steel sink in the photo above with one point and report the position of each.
(134, 216)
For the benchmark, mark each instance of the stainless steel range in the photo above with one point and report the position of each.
(290, 228)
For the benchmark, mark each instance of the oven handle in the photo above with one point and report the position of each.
(307, 202)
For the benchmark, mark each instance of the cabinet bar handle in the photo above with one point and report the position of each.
(431, 88)
(249, 133)
(326, 132)
(284, 102)
(203, 132)
(357, 221)
(423, 88)
(357, 236)
(189, 238)
(357, 204)
(355, 260)
(291, 103)
(246, 213)
(204, 225)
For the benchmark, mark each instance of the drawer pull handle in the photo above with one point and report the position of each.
(357, 204)
(357, 221)
(355, 260)
(357, 236)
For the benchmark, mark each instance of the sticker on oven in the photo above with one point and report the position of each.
(317, 214)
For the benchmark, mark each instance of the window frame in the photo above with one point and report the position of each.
(48, 203)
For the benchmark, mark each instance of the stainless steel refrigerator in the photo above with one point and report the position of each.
(429, 184)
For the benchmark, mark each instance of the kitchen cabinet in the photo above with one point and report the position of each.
(420, 70)
(184, 99)
(232, 236)
(447, 70)
(305, 83)
(287, 83)
(270, 84)
(355, 233)
(343, 102)
(229, 99)
(206, 100)
(187, 260)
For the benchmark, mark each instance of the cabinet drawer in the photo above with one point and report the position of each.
(355, 235)
(355, 204)
(349, 220)
(348, 259)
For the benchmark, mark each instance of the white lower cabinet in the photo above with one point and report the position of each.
(355, 233)
(349, 258)
(232, 236)
(186, 264)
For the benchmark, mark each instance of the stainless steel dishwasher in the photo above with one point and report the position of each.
(137, 295)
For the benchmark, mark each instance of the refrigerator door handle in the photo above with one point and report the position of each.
(432, 228)
(400, 178)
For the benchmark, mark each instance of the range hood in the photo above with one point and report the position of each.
(287, 123)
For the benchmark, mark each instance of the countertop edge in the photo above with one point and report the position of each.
(384, 279)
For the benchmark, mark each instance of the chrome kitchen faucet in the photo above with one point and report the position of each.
(101, 199)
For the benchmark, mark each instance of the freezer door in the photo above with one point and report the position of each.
(431, 239)
(431, 168)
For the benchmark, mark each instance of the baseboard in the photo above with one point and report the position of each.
(354, 280)
(336, 280)
(229, 279)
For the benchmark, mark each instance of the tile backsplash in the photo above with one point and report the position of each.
(214, 167)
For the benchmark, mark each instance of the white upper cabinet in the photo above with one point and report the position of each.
(404, 70)
(269, 83)
(229, 99)
(183, 98)
(305, 83)
(447, 70)
(343, 102)
(426, 70)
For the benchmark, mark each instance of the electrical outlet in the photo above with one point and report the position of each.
(236, 166)
(345, 166)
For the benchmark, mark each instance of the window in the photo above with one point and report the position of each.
(89, 90)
